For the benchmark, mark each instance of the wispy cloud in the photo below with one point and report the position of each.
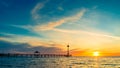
(52, 25)
(87, 33)
(31, 40)
(60, 8)
(35, 11)
(49, 26)
(16, 47)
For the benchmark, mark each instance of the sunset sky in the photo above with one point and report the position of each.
(49, 25)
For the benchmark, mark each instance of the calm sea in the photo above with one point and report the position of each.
(63, 62)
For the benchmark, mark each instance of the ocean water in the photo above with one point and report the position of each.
(60, 62)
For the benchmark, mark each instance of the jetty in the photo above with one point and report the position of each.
(36, 54)
(32, 55)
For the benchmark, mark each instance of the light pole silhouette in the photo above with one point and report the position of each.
(68, 54)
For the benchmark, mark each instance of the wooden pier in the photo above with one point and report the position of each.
(34, 55)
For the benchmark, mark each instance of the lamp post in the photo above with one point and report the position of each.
(68, 50)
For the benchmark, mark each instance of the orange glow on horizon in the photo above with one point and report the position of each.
(94, 53)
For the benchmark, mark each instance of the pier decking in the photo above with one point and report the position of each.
(34, 55)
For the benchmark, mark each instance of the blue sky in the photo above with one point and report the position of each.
(83, 24)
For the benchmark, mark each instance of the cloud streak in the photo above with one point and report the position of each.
(87, 33)
(35, 11)
(6, 47)
(31, 40)
(52, 25)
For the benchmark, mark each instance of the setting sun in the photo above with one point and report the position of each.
(96, 53)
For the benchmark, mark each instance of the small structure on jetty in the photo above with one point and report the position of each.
(36, 54)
